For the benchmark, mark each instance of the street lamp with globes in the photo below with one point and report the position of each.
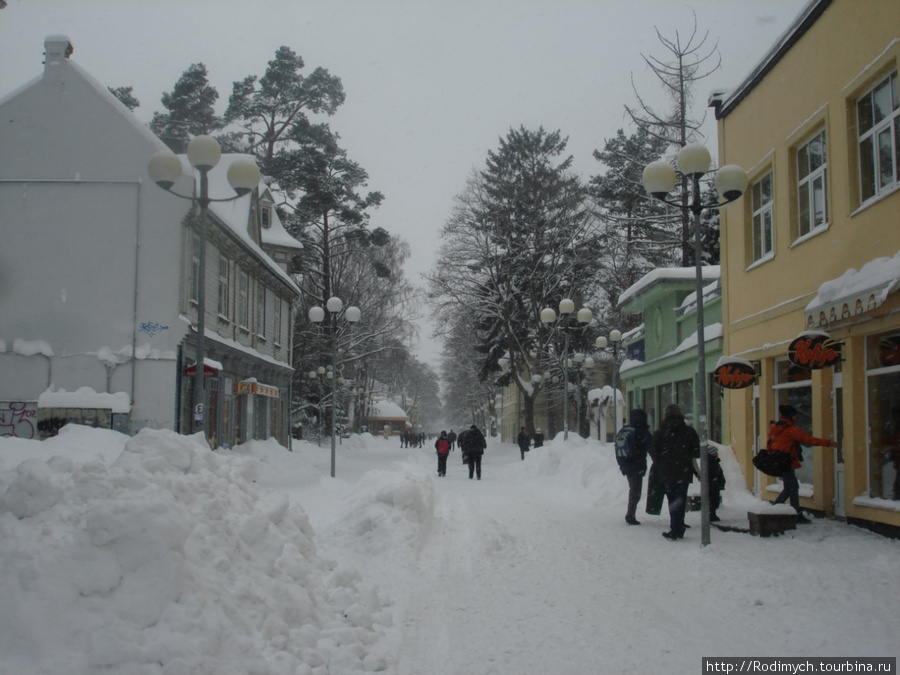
(731, 182)
(615, 337)
(165, 168)
(352, 315)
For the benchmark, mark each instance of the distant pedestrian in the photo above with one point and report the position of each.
(632, 445)
(524, 441)
(474, 449)
(461, 442)
(675, 447)
(442, 446)
(452, 438)
(538, 438)
(786, 436)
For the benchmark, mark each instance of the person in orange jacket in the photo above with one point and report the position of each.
(786, 436)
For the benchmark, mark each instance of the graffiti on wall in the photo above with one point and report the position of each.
(152, 328)
(18, 419)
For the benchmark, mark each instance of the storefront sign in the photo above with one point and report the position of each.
(814, 350)
(255, 388)
(735, 374)
(208, 371)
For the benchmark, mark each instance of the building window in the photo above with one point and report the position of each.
(684, 396)
(883, 376)
(878, 121)
(195, 268)
(761, 203)
(812, 204)
(224, 289)
(261, 310)
(276, 315)
(243, 300)
(266, 216)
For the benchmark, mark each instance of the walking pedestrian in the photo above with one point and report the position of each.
(786, 436)
(442, 446)
(524, 441)
(675, 447)
(475, 444)
(716, 481)
(461, 442)
(632, 445)
(452, 438)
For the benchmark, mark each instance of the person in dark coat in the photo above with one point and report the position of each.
(538, 438)
(442, 446)
(474, 445)
(452, 438)
(675, 447)
(634, 466)
(716, 482)
(524, 441)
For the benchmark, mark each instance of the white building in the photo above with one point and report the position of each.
(98, 275)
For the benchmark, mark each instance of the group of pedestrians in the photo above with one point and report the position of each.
(675, 451)
(471, 445)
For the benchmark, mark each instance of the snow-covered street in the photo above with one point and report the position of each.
(164, 558)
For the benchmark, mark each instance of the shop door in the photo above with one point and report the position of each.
(837, 395)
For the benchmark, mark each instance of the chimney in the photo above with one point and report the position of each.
(57, 48)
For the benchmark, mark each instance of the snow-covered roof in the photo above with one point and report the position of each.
(668, 274)
(388, 410)
(276, 234)
(236, 214)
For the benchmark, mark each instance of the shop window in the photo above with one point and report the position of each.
(649, 400)
(878, 124)
(51, 420)
(762, 215)
(684, 397)
(793, 386)
(883, 379)
(243, 300)
(260, 310)
(812, 185)
(276, 315)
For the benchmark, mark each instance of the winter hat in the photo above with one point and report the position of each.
(673, 410)
(787, 411)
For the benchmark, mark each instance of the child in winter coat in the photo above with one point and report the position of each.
(442, 446)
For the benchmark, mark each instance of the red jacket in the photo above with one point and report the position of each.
(784, 435)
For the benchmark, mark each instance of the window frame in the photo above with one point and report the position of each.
(890, 125)
(243, 300)
(194, 290)
(261, 294)
(761, 210)
(224, 297)
(805, 186)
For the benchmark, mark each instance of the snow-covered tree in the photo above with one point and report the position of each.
(190, 109)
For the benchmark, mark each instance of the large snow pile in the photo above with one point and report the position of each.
(155, 555)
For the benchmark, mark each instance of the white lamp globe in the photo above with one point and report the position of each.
(243, 175)
(566, 306)
(615, 335)
(204, 152)
(316, 314)
(334, 304)
(548, 315)
(589, 362)
(164, 168)
(658, 179)
(600, 342)
(731, 182)
(353, 314)
(694, 159)
(579, 357)
(585, 315)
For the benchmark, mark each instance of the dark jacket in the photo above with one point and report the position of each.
(641, 442)
(675, 444)
(473, 442)
(524, 440)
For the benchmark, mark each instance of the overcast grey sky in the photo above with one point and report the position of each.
(431, 84)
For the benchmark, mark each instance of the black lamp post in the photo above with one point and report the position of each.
(731, 182)
(615, 337)
(165, 168)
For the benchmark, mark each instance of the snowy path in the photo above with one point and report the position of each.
(532, 570)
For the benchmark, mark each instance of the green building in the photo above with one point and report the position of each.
(660, 365)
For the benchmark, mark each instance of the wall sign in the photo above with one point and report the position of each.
(814, 350)
(734, 373)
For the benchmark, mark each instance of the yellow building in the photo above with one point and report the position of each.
(813, 245)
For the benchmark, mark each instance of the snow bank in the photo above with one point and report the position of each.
(165, 557)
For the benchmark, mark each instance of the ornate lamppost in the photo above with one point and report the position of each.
(615, 337)
(550, 319)
(165, 168)
(731, 182)
(336, 311)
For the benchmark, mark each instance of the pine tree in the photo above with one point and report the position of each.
(190, 109)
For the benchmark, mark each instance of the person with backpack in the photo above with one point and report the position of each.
(475, 444)
(675, 447)
(786, 436)
(524, 441)
(632, 445)
(442, 446)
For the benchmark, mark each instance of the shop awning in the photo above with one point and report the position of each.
(855, 292)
